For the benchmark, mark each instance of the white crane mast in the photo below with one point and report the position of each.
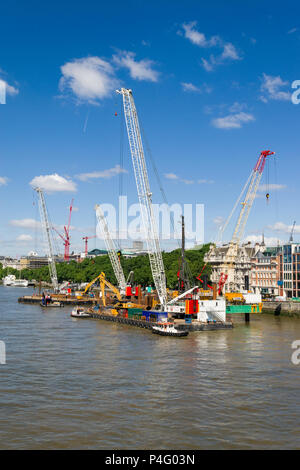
(111, 249)
(47, 237)
(144, 194)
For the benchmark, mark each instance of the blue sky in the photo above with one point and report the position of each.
(212, 85)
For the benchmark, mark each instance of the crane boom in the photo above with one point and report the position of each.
(144, 194)
(111, 249)
(47, 237)
(227, 268)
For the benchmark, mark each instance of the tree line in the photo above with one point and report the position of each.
(88, 269)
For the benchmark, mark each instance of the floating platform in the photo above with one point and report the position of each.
(195, 326)
(36, 299)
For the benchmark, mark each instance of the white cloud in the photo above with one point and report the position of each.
(233, 121)
(24, 238)
(191, 33)
(25, 223)
(208, 66)
(190, 87)
(172, 176)
(53, 183)
(185, 181)
(10, 90)
(205, 181)
(229, 51)
(293, 30)
(281, 227)
(271, 89)
(139, 70)
(3, 180)
(219, 220)
(273, 187)
(269, 241)
(106, 174)
(90, 79)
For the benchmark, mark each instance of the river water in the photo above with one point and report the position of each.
(91, 384)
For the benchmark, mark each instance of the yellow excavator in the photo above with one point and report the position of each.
(103, 282)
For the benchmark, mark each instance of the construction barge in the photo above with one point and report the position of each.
(194, 326)
(63, 299)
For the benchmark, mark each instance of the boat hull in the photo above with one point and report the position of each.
(84, 315)
(178, 334)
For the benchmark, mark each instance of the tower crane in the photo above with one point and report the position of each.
(47, 237)
(111, 250)
(144, 194)
(86, 243)
(66, 236)
(228, 267)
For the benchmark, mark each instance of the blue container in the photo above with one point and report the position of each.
(152, 315)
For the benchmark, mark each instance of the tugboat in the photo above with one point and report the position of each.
(168, 329)
(79, 312)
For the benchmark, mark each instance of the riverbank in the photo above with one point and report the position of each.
(285, 309)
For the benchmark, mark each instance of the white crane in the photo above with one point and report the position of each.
(47, 237)
(229, 262)
(111, 249)
(144, 195)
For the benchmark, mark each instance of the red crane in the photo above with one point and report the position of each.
(66, 236)
(86, 243)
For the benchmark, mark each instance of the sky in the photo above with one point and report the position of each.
(212, 83)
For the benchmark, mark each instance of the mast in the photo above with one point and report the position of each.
(47, 238)
(111, 249)
(144, 195)
(183, 280)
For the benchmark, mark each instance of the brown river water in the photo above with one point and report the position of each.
(90, 384)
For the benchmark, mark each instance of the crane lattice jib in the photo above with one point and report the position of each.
(144, 194)
(47, 237)
(111, 249)
(250, 196)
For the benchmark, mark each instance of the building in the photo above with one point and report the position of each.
(289, 270)
(265, 272)
(10, 263)
(136, 250)
(34, 262)
(239, 270)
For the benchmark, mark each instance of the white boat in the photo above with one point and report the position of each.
(79, 312)
(168, 329)
(9, 280)
(20, 283)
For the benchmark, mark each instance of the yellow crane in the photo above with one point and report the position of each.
(103, 282)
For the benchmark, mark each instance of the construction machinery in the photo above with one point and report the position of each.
(103, 282)
(229, 261)
(144, 195)
(66, 236)
(47, 234)
(86, 243)
(111, 250)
